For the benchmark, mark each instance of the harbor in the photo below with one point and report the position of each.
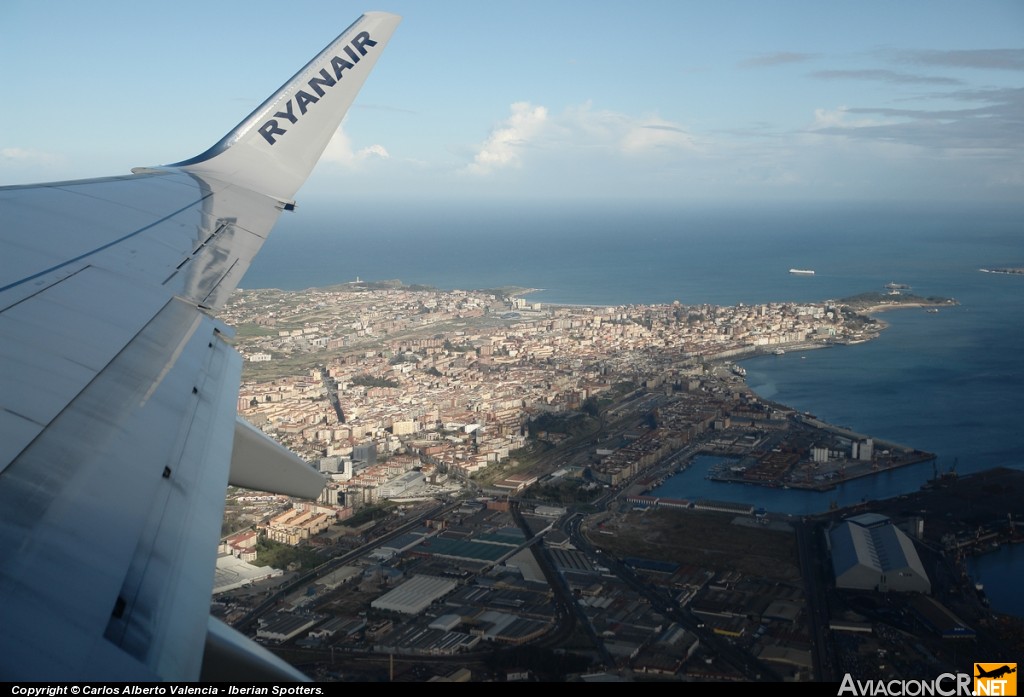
(812, 455)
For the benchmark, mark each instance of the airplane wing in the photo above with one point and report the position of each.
(118, 391)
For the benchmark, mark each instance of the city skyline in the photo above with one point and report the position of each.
(667, 102)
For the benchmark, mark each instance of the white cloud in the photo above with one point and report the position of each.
(652, 135)
(585, 152)
(501, 149)
(374, 151)
(339, 151)
(577, 131)
(20, 165)
(614, 133)
(28, 156)
(838, 118)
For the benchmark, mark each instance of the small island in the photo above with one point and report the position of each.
(880, 302)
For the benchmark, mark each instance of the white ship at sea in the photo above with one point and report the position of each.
(802, 272)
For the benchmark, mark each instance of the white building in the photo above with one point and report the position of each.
(415, 596)
(402, 484)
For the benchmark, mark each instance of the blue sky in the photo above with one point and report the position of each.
(536, 101)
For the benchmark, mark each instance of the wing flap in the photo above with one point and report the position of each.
(257, 462)
(137, 460)
(167, 589)
(231, 657)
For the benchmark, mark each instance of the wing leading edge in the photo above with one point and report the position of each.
(118, 431)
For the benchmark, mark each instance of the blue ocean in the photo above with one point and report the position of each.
(949, 382)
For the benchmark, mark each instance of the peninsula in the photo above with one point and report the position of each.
(473, 382)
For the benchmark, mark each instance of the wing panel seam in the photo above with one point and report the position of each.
(104, 246)
(44, 289)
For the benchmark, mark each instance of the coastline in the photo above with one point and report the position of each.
(878, 308)
(834, 323)
(844, 470)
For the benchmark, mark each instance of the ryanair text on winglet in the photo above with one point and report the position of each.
(302, 99)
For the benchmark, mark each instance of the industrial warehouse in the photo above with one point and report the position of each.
(870, 553)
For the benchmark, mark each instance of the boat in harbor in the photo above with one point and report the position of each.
(802, 272)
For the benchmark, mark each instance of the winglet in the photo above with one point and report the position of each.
(275, 148)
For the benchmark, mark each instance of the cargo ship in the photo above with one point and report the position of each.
(802, 272)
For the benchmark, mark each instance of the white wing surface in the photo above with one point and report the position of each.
(118, 391)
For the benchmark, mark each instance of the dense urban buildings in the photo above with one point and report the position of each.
(489, 465)
(454, 378)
